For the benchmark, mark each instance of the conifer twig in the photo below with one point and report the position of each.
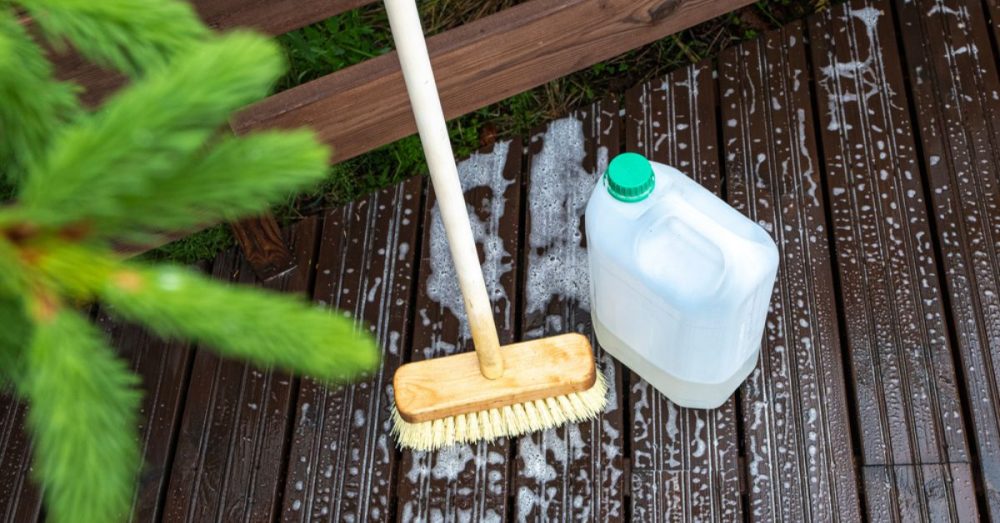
(132, 36)
(14, 337)
(151, 160)
(33, 104)
(237, 177)
(148, 132)
(84, 409)
(269, 329)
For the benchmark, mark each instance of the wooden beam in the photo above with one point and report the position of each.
(365, 106)
(273, 17)
(260, 239)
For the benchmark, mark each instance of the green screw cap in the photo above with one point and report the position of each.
(630, 177)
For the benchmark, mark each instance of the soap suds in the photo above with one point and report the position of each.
(559, 190)
(480, 170)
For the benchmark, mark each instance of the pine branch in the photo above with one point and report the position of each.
(34, 104)
(237, 177)
(132, 36)
(147, 132)
(84, 410)
(269, 329)
(13, 279)
(14, 335)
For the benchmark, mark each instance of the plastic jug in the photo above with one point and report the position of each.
(680, 281)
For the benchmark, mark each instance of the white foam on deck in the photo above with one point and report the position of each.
(480, 170)
(559, 190)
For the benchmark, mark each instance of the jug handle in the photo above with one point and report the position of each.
(705, 226)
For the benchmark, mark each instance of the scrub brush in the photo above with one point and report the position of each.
(493, 392)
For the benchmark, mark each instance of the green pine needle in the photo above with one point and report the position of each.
(13, 277)
(83, 415)
(13, 338)
(154, 158)
(33, 104)
(148, 132)
(269, 329)
(132, 36)
(239, 176)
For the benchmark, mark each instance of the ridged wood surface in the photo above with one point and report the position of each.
(864, 140)
(685, 462)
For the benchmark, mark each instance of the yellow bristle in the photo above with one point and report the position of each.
(449, 430)
(460, 428)
(522, 424)
(567, 407)
(472, 430)
(557, 414)
(508, 421)
(578, 405)
(531, 413)
(544, 417)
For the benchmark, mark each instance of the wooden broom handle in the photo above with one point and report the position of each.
(404, 20)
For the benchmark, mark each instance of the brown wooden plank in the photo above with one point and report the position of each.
(684, 461)
(342, 461)
(955, 86)
(163, 368)
(465, 482)
(20, 499)
(932, 492)
(495, 57)
(800, 460)
(273, 17)
(229, 459)
(575, 472)
(260, 240)
(904, 381)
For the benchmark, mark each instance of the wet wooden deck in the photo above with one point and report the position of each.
(866, 140)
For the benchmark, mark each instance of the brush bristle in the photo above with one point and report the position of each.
(509, 421)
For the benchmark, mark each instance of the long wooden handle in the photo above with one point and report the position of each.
(404, 20)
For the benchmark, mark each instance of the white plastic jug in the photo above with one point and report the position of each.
(680, 281)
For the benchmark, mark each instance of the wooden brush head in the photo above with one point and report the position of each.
(534, 370)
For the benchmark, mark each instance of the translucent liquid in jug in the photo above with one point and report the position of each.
(680, 281)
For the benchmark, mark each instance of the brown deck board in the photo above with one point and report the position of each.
(871, 157)
(929, 492)
(949, 55)
(685, 462)
(994, 10)
(163, 368)
(467, 482)
(797, 435)
(231, 446)
(20, 499)
(343, 458)
(904, 381)
(575, 472)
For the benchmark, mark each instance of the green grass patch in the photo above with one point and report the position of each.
(204, 245)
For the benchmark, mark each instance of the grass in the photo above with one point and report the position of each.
(363, 33)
